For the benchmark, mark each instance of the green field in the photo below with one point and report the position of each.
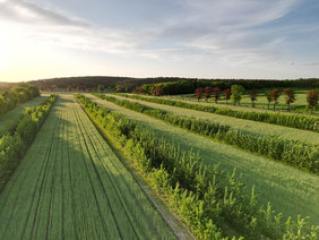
(304, 136)
(300, 104)
(10, 119)
(289, 190)
(71, 185)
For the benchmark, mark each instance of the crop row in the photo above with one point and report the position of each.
(20, 94)
(13, 146)
(205, 197)
(292, 152)
(284, 119)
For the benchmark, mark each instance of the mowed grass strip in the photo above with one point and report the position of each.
(289, 190)
(282, 132)
(9, 120)
(70, 185)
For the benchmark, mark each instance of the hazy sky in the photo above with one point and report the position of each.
(191, 38)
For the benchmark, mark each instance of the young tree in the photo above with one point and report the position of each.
(227, 94)
(158, 90)
(208, 92)
(216, 93)
(237, 91)
(269, 99)
(312, 99)
(290, 97)
(253, 97)
(275, 94)
(199, 93)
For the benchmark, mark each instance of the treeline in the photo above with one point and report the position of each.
(16, 95)
(292, 152)
(190, 85)
(13, 146)
(290, 120)
(208, 199)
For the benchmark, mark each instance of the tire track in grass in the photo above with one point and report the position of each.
(128, 232)
(125, 183)
(90, 198)
(117, 199)
(23, 191)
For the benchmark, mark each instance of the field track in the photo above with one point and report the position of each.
(71, 185)
(290, 190)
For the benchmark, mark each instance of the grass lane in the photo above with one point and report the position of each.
(290, 190)
(70, 185)
(283, 132)
(9, 120)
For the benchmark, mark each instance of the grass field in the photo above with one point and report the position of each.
(300, 104)
(10, 119)
(308, 137)
(71, 185)
(288, 189)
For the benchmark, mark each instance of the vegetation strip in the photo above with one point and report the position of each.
(13, 146)
(284, 119)
(202, 196)
(72, 186)
(289, 151)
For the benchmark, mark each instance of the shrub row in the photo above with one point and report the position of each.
(13, 146)
(20, 94)
(205, 197)
(292, 152)
(290, 120)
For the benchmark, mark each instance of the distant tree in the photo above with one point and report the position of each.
(290, 97)
(199, 93)
(216, 93)
(275, 94)
(237, 91)
(208, 92)
(100, 88)
(269, 99)
(227, 94)
(158, 90)
(253, 97)
(312, 99)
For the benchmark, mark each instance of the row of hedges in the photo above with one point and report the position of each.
(290, 120)
(292, 152)
(182, 86)
(20, 94)
(13, 146)
(205, 197)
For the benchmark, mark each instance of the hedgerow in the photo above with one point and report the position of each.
(292, 152)
(290, 120)
(205, 197)
(13, 146)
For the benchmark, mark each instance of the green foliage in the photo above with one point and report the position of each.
(204, 196)
(12, 147)
(284, 119)
(20, 94)
(289, 151)
(237, 91)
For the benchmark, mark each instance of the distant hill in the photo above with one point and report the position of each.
(127, 84)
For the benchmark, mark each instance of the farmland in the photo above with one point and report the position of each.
(108, 166)
(71, 185)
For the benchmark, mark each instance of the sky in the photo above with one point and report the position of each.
(152, 38)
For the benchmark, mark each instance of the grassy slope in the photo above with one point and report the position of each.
(253, 126)
(290, 190)
(10, 119)
(71, 185)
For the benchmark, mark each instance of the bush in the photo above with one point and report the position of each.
(289, 151)
(203, 196)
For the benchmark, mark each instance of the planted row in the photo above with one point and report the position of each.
(290, 120)
(294, 153)
(13, 146)
(20, 94)
(205, 197)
